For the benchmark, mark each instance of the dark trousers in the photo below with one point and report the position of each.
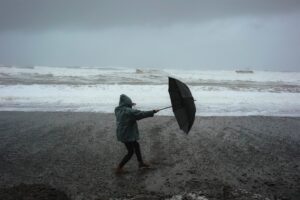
(132, 147)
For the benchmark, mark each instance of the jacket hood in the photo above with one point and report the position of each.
(125, 101)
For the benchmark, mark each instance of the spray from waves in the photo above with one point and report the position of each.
(210, 80)
(93, 89)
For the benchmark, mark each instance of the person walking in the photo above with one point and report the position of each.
(127, 130)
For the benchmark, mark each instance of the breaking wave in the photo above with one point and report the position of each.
(94, 89)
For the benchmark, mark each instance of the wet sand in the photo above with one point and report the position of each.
(221, 158)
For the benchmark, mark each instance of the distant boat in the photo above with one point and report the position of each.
(244, 71)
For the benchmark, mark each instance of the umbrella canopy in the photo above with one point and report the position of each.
(182, 104)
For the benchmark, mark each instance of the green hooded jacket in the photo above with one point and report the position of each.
(127, 128)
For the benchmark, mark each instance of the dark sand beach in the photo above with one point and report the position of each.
(251, 157)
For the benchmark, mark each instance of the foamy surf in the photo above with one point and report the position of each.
(91, 89)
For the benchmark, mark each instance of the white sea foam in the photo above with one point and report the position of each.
(97, 90)
(103, 98)
(113, 75)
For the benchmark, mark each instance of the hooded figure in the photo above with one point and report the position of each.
(127, 129)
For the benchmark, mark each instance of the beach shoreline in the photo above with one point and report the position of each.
(77, 152)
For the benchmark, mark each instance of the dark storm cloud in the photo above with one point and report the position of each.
(97, 14)
(202, 34)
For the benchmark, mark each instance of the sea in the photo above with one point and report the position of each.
(97, 89)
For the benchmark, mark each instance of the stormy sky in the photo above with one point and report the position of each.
(192, 34)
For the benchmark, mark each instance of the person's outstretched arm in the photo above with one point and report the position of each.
(138, 114)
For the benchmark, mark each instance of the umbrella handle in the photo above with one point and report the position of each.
(164, 108)
(167, 107)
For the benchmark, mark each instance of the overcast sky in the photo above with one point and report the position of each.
(194, 34)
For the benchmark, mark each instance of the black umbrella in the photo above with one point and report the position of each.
(182, 104)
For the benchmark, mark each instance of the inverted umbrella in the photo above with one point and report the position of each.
(182, 104)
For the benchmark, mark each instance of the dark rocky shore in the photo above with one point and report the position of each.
(72, 155)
